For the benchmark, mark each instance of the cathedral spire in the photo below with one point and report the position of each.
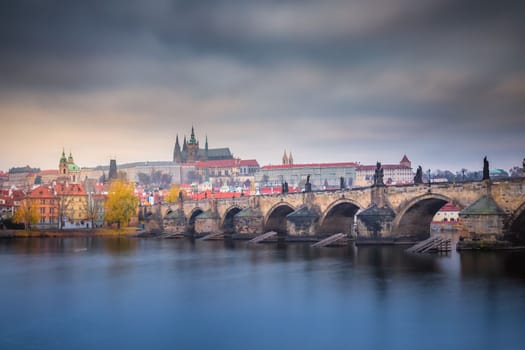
(285, 158)
(177, 155)
(193, 140)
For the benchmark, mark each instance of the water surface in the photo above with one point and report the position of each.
(101, 293)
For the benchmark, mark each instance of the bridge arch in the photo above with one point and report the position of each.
(414, 218)
(227, 222)
(191, 221)
(516, 226)
(339, 217)
(275, 219)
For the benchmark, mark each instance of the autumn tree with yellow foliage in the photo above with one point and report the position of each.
(121, 204)
(173, 194)
(27, 214)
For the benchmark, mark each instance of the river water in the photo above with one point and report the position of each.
(129, 293)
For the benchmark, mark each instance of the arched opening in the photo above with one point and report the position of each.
(517, 226)
(414, 221)
(339, 218)
(228, 224)
(191, 222)
(276, 220)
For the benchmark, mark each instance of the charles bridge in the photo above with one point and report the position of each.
(490, 210)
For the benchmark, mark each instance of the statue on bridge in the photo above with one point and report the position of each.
(378, 175)
(308, 185)
(284, 188)
(342, 183)
(486, 175)
(418, 179)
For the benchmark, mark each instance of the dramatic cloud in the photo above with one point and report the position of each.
(440, 80)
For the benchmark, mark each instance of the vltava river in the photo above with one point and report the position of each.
(128, 293)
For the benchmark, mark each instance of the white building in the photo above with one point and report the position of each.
(393, 173)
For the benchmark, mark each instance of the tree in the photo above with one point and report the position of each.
(144, 179)
(95, 204)
(122, 202)
(64, 209)
(27, 214)
(173, 194)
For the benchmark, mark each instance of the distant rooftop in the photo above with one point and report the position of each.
(309, 165)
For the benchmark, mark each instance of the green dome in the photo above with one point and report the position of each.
(73, 167)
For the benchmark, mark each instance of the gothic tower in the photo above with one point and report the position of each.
(177, 154)
(113, 175)
(206, 148)
(192, 148)
(285, 158)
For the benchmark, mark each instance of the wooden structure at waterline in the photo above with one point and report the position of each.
(263, 237)
(171, 235)
(211, 236)
(330, 240)
(435, 244)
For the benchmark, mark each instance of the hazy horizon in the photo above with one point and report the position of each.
(441, 81)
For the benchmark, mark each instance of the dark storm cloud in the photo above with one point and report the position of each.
(396, 71)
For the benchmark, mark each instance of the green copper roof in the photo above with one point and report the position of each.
(483, 206)
(175, 214)
(374, 210)
(73, 167)
(249, 212)
(193, 140)
(208, 214)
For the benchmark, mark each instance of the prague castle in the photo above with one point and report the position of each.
(191, 153)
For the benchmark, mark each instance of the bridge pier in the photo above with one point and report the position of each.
(303, 222)
(207, 222)
(374, 225)
(175, 222)
(483, 225)
(248, 222)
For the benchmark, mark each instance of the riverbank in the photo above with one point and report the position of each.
(100, 232)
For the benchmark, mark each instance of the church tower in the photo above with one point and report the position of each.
(206, 148)
(290, 158)
(177, 154)
(192, 148)
(68, 169)
(285, 158)
(62, 165)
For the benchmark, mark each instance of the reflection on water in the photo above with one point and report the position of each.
(105, 293)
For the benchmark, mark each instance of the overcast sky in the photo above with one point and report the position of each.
(442, 81)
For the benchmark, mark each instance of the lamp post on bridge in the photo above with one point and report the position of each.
(429, 183)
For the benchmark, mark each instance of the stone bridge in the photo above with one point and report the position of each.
(493, 210)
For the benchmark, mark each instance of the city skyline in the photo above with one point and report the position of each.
(362, 81)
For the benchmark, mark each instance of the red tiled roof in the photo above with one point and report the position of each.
(384, 166)
(405, 159)
(8, 201)
(70, 189)
(309, 165)
(449, 207)
(18, 194)
(222, 163)
(41, 192)
(249, 162)
(49, 172)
